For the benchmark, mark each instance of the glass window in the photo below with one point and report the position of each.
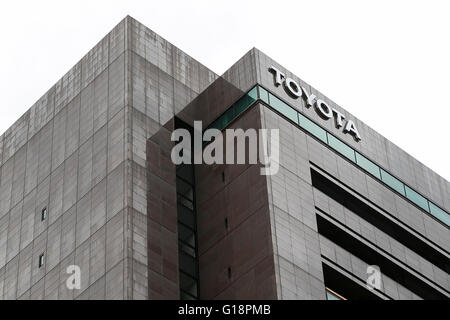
(253, 94)
(439, 213)
(186, 235)
(186, 216)
(186, 296)
(392, 182)
(341, 147)
(242, 105)
(227, 117)
(185, 202)
(184, 189)
(185, 172)
(187, 264)
(41, 260)
(368, 165)
(217, 124)
(186, 249)
(263, 95)
(188, 284)
(283, 108)
(331, 295)
(312, 128)
(44, 214)
(417, 198)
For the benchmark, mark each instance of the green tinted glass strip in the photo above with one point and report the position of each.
(392, 182)
(263, 94)
(235, 110)
(439, 213)
(308, 125)
(241, 106)
(417, 198)
(283, 108)
(253, 94)
(312, 128)
(331, 296)
(368, 165)
(354, 156)
(341, 147)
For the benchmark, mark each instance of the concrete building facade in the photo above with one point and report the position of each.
(87, 180)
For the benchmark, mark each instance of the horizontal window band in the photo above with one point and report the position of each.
(392, 228)
(350, 286)
(371, 256)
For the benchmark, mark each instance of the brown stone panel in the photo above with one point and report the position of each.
(163, 278)
(244, 242)
(243, 250)
(211, 220)
(257, 284)
(162, 203)
(233, 202)
(161, 288)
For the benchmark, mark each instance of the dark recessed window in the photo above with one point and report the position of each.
(229, 272)
(223, 176)
(41, 260)
(226, 223)
(44, 214)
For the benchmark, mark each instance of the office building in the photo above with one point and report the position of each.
(87, 180)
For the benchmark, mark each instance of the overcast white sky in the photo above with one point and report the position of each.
(387, 62)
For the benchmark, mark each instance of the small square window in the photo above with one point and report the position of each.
(41, 260)
(44, 214)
